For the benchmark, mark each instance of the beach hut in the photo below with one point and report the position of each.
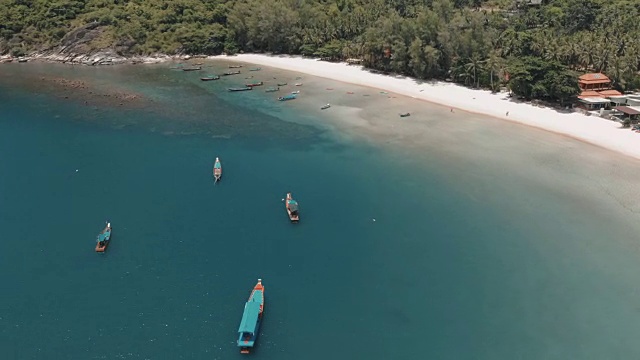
(631, 113)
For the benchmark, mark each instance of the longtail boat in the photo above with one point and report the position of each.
(251, 318)
(292, 208)
(104, 238)
(241, 88)
(217, 170)
(227, 73)
(210, 77)
(192, 68)
(287, 97)
(235, 66)
(325, 107)
(271, 89)
(255, 69)
(282, 84)
(259, 83)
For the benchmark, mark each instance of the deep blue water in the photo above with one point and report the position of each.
(509, 275)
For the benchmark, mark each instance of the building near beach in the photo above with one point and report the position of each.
(594, 82)
(596, 85)
(597, 92)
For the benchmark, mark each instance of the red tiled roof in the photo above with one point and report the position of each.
(610, 93)
(594, 78)
(589, 93)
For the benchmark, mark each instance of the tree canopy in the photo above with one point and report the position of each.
(542, 47)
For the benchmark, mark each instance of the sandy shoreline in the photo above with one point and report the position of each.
(595, 130)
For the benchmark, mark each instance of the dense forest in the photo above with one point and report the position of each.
(536, 48)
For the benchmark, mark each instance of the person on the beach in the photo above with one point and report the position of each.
(507, 113)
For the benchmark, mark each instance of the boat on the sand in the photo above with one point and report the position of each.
(296, 92)
(104, 238)
(255, 69)
(292, 208)
(217, 170)
(251, 318)
(405, 114)
(325, 106)
(235, 66)
(282, 84)
(298, 84)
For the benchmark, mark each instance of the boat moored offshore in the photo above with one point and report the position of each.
(103, 238)
(251, 319)
(287, 97)
(192, 68)
(292, 208)
(210, 77)
(246, 88)
(217, 170)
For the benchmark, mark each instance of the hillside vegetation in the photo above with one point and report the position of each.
(473, 42)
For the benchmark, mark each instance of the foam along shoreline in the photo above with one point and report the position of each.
(592, 129)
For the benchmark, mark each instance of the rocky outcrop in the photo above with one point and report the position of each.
(78, 47)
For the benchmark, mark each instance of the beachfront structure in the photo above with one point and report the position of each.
(596, 85)
(597, 92)
(591, 103)
(625, 100)
(631, 113)
(594, 81)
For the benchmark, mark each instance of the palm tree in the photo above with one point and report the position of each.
(495, 64)
(473, 66)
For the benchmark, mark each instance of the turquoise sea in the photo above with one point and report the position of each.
(399, 254)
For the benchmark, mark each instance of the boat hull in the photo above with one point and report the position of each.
(217, 170)
(103, 248)
(104, 239)
(293, 217)
(251, 319)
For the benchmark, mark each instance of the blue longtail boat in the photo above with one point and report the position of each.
(103, 238)
(251, 318)
(292, 208)
(287, 97)
(217, 170)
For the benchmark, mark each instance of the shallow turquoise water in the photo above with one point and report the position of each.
(516, 272)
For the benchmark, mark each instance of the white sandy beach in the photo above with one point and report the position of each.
(595, 130)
